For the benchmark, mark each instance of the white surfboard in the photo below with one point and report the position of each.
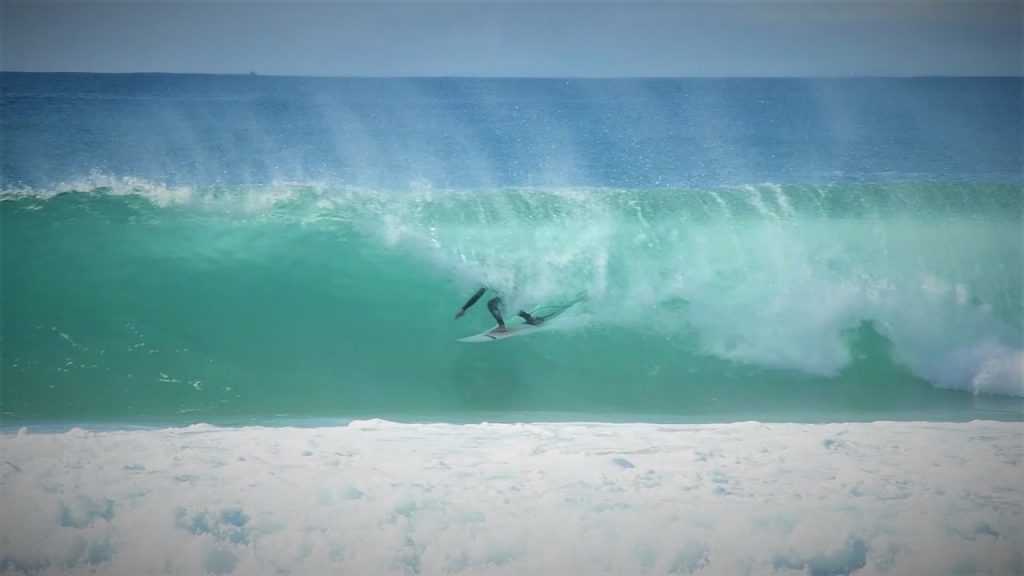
(512, 330)
(518, 327)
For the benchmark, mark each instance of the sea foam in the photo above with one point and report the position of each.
(378, 497)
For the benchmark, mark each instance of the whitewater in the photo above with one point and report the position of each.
(376, 497)
(228, 343)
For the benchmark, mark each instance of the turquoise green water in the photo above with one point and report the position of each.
(137, 302)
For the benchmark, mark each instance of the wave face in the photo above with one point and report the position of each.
(232, 271)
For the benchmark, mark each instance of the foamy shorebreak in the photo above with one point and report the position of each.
(377, 498)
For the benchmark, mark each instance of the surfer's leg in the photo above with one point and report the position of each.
(494, 305)
(530, 319)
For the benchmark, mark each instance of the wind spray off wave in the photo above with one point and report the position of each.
(236, 247)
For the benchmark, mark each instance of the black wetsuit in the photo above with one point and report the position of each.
(494, 305)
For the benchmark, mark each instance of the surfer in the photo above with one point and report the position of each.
(494, 305)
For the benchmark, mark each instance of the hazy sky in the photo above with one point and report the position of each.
(518, 38)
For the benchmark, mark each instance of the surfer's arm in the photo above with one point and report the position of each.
(472, 300)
